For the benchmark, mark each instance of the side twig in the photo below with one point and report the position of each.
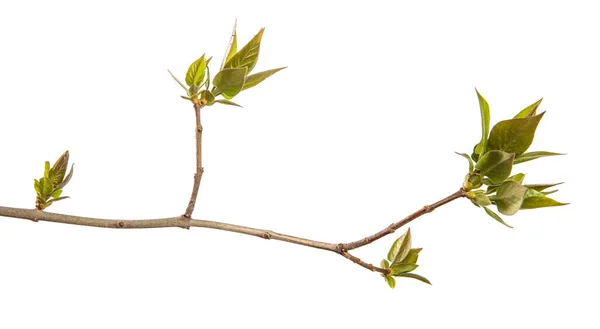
(199, 169)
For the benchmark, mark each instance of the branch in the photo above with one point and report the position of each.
(199, 169)
(186, 222)
(393, 227)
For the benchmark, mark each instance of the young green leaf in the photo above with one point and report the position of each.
(229, 82)
(496, 165)
(400, 248)
(466, 156)
(390, 281)
(541, 187)
(484, 108)
(509, 197)
(248, 55)
(47, 187)
(227, 102)
(179, 82)
(517, 178)
(412, 256)
(254, 79)
(384, 264)
(66, 179)
(402, 268)
(231, 47)
(37, 186)
(514, 135)
(56, 194)
(529, 110)
(534, 199)
(481, 199)
(57, 172)
(208, 96)
(496, 217)
(413, 276)
(47, 169)
(196, 71)
(58, 199)
(528, 156)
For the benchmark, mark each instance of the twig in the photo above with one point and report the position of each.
(186, 222)
(199, 169)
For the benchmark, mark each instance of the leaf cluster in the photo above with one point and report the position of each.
(49, 187)
(492, 161)
(402, 260)
(233, 75)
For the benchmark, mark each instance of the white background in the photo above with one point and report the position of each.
(358, 132)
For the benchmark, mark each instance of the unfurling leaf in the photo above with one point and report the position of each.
(47, 169)
(58, 170)
(534, 199)
(66, 179)
(229, 82)
(196, 71)
(37, 186)
(179, 82)
(400, 248)
(529, 111)
(208, 96)
(402, 268)
(248, 55)
(514, 135)
(412, 256)
(254, 79)
(466, 156)
(541, 187)
(496, 217)
(56, 194)
(384, 264)
(231, 47)
(413, 276)
(496, 165)
(227, 102)
(480, 199)
(390, 281)
(484, 108)
(509, 197)
(47, 187)
(528, 156)
(517, 178)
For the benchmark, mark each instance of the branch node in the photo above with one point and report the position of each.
(266, 236)
(428, 209)
(121, 224)
(340, 249)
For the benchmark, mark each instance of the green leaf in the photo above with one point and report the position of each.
(57, 172)
(413, 276)
(496, 217)
(534, 155)
(47, 169)
(517, 178)
(390, 281)
(481, 199)
(412, 256)
(541, 187)
(58, 199)
(515, 135)
(400, 248)
(384, 264)
(534, 199)
(248, 55)
(402, 268)
(466, 156)
(231, 47)
(47, 188)
(37, 186)
(56, 194)
(496, 165)
(196, 71)
(226, 102)
(529, 110)
(254, 79)
(208, 96)
(179, 82)
(229, 82)
(509, 197)
(484, 109)
(474, 155)
(66, 180)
